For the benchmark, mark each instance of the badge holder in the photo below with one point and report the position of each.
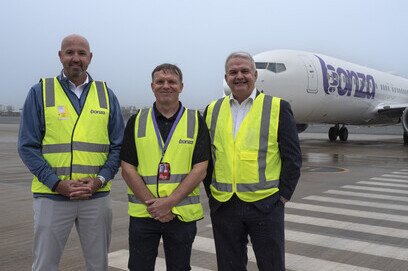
(164, 172)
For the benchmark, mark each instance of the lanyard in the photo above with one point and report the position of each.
(156, 128)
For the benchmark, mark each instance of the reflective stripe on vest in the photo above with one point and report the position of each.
(186, 201)
(264, 185)
(191, 119)
(245, 187)
(174, 178)
(78, 169)
(179, 155)
(74, 146)
(50, 94)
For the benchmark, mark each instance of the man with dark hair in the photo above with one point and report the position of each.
(70, 136)
(257, 162)
(164, 158)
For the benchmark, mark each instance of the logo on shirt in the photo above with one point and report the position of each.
(186, 141)
(97, 112)
(63, 113)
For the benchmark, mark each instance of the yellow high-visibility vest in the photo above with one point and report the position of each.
(74, 146)
(250, 164)
(179, 155)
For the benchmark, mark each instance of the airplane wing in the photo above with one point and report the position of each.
(391, 110)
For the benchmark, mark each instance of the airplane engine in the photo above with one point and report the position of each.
(301, 127)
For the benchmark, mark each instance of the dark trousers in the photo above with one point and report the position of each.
(234, 220)
(144, 239)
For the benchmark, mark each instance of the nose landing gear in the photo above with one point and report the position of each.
(335, 132)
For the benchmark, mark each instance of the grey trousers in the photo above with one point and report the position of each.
(53, 221)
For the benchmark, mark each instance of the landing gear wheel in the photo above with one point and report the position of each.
(405, 138)
(333, 133)
(343, 134)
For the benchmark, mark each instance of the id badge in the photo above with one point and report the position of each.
(164, 171)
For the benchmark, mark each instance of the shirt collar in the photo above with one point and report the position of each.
(250, 98)
(160, 115)
(72, 86)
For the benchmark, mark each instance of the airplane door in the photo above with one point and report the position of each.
(311, 74)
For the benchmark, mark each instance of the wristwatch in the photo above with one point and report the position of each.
(103, 180)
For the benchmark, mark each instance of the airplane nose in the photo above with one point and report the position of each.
(263, 78)
(227, 90)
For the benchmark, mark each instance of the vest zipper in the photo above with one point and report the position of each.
(72, 149)
(76, 122)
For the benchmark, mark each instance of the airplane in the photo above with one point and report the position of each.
(323, 89)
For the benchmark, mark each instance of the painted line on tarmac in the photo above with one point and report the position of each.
(399, 172)
(119, 259)
(384, 184)
(349, 226)
(359, 203)
(293, 261)
(347, 244)
(297, 262)
(377, 189)
(366, 195)
(389, 180)
(347, 212)
(395, 176)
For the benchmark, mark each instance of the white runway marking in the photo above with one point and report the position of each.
(366, 195)
(399, 172)
(395, 176)
(389, 180)
(347, 212)
(118, 259)
(377, 189)
(347, 244)
(394, 183)
(384, 184)
(297, 262)
(349, 226)
(359, 203)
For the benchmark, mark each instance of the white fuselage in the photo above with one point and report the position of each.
(322, 89)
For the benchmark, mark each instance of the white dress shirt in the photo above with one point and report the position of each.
(239, 111)
(77, 89)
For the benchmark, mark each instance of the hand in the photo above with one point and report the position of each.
(283, 200)
(158, 208)
(93, 183)
(167, 218)
(73, 190)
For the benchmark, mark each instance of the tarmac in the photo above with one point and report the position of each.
(349, 211)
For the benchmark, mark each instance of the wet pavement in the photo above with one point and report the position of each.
(349, 211)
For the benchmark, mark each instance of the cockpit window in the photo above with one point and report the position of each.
(280, 67)
(271, 66)
(261, 65)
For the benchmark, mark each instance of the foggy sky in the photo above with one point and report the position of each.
(129, 38)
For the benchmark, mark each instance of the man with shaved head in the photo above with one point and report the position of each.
(70, 137)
